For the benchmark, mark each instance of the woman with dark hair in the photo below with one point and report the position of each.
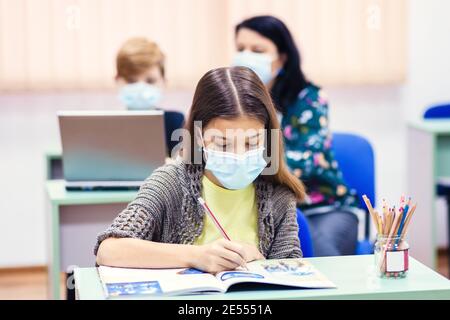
(265, 45)
(228, 128)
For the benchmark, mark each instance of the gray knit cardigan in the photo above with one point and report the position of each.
(166, 210)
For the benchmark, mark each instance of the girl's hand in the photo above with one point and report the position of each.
(251, 252)
(218, 256)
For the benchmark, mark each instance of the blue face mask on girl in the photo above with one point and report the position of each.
(140, 96)
(235, 171)
(260, 63)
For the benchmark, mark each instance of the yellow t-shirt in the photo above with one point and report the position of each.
(236, 211)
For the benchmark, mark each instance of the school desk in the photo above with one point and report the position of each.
(353, 276)
(428, 159)
(74, 218)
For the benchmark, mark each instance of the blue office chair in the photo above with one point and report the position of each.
(355, 157)
(172, 120)
(304, 235)
(437, 112)
(441, 112)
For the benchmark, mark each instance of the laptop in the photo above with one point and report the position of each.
(111, 150)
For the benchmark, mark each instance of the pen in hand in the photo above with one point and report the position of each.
(216, 223)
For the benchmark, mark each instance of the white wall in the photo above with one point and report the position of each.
(28, 126)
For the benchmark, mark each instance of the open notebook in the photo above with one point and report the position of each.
(286, 272)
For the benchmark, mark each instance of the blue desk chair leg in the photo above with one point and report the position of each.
(304, 235)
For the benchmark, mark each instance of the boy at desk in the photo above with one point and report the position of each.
(141, 80)
(233, 158)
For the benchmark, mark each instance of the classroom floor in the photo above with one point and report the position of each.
(25, 284)
(31, 283)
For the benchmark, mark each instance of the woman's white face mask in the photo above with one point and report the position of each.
(260, 63)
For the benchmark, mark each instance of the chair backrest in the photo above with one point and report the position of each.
(355, 157)
(172, 120)
(304, 235)
(438, 111)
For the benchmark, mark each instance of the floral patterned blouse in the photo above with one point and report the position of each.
(309, 154)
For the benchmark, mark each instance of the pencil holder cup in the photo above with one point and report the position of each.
(391, 257)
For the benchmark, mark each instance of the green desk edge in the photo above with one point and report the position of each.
(353, 276)
(58, 195)
(434, 125)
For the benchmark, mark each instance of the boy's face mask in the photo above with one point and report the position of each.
(260, 63)
(235, 171)
(140, 96)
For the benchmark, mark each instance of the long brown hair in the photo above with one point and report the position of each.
(230, 93)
